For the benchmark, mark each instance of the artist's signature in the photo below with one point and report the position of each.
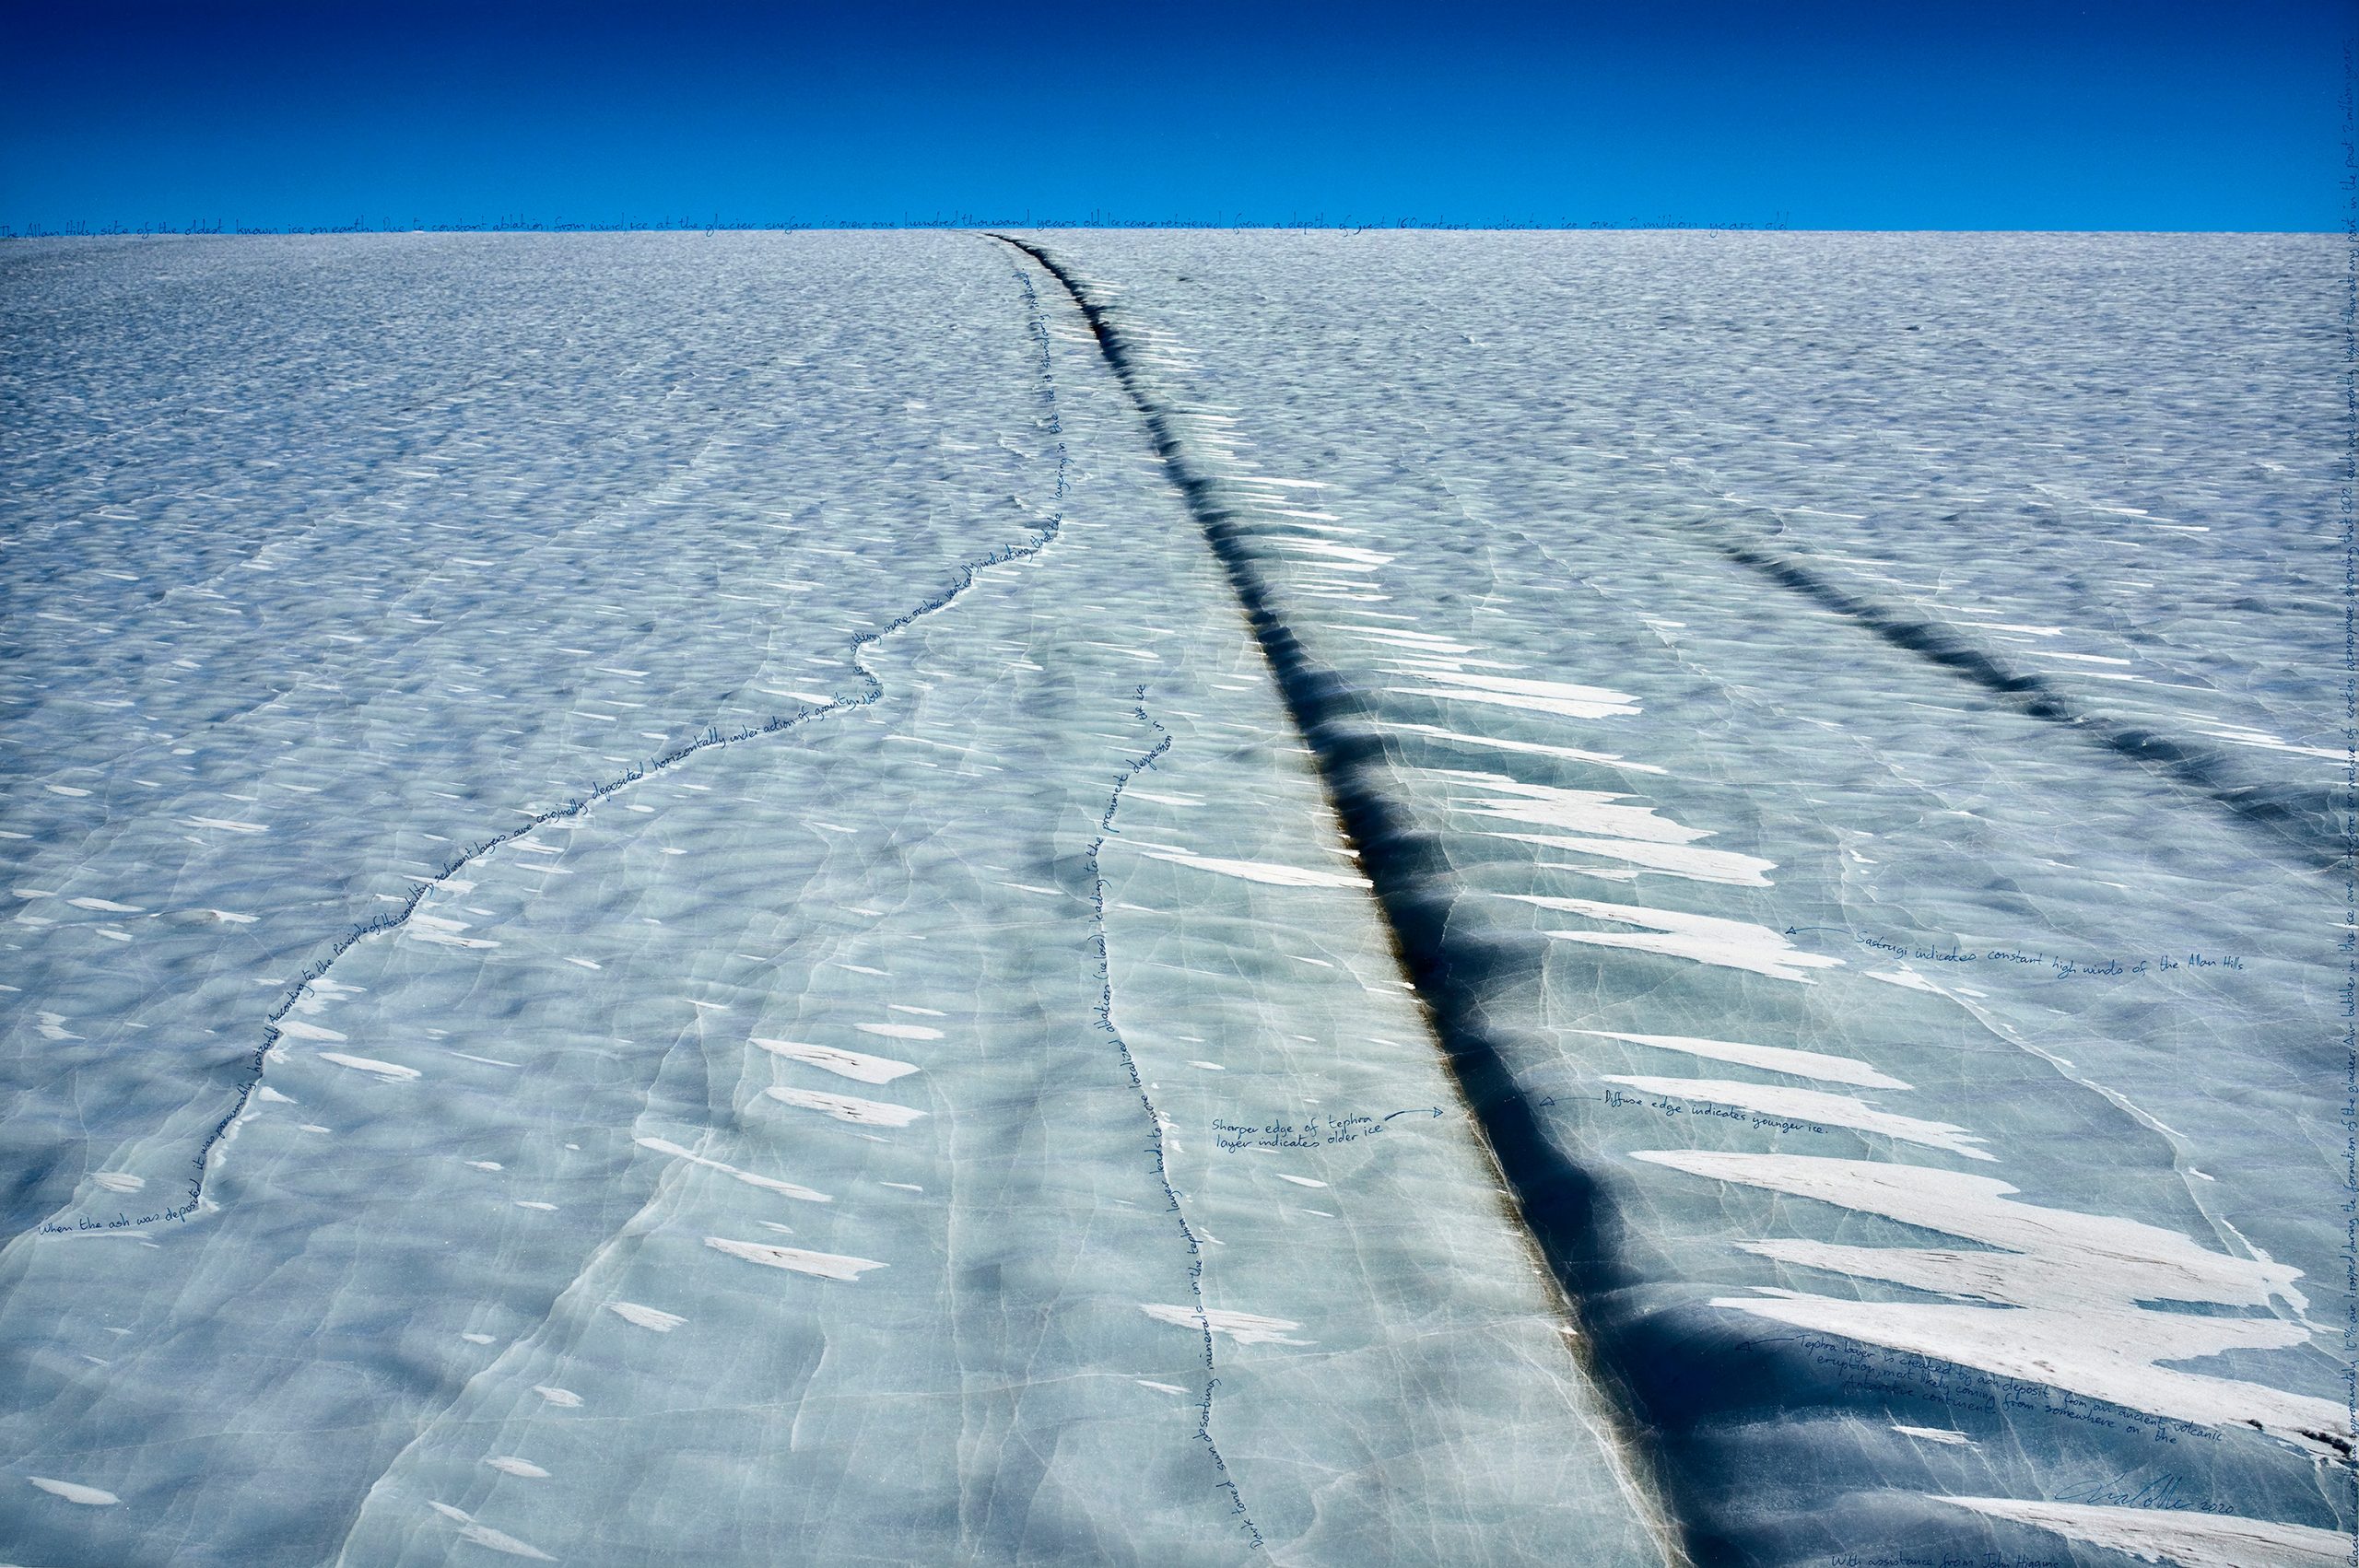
(2163, 1491)
(2003, 957)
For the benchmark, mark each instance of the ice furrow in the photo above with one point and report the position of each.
(1556, 1201)
(2298, 819)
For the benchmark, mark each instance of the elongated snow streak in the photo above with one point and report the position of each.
(2048, 1295)
(962, 578)
(1772, 1059)
(2161, 1535)
(1201, 1316)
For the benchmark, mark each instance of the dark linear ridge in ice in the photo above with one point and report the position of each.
(2298, 817)
(1558, 1202)
(1783, 1442)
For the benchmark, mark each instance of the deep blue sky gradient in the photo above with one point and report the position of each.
(1993, 114)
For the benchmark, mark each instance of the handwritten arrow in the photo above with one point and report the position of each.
(1417, 1110)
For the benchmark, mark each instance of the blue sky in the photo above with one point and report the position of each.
(1891, 115)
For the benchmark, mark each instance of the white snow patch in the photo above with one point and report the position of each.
(1580, 810)
(843, 1063)
(75, 1492)
(2067, 1289)
(1724, 866)
(1558, 697)
(1351, 553)
(497, 1540)
(1245, 1328)
(646, 1316)
(1257, 870)
(826, 1265)
(1536, 748)
(1812, 1105)
(1674, 933)
(1935, 1434)
(1774, 1058)
(2176, 1536)
(442, 933)
(2053, 1257)
(393, 1071)
(847, 1108)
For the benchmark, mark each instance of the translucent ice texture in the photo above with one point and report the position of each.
(1331, 899)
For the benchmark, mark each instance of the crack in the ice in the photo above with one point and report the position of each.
(1105, 1014)
(962, 578)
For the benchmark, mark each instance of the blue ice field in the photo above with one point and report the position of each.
(1175, 898)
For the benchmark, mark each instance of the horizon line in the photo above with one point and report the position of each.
(76, 229)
